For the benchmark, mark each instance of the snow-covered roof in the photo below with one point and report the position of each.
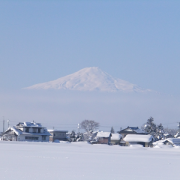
(116, 136)
(103, 134)
(19, 132)
(177, 135)
(139, 131)
(16, 131)
(135, 129)
(175, 141)
(138, 138)
(56, 130)
(29, 124)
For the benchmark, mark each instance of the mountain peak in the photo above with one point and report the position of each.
(89, 79)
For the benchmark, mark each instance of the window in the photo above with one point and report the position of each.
(31, 138)
(34, 130)
(27, 129)
(39, 130)
(43, 138)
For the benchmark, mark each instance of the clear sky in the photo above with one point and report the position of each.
(137, 41)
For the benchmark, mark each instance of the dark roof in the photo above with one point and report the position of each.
(135, 130)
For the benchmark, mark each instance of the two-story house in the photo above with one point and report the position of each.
(26, 131)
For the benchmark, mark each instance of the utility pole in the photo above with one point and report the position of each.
(179, 126)
(8, 122)
(78, 127)
(3, 125)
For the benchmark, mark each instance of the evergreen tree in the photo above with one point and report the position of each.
(112, 130)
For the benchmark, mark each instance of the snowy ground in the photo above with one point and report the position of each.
(67, 161)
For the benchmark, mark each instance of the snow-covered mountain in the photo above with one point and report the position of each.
(89, 79)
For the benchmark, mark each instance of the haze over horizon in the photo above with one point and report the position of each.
(137, 42)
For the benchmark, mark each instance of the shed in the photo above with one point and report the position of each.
(115, 138)
(102, 138)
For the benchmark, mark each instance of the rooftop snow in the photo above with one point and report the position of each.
(138, 138)
(30, 124)
(116, 136)
(56, 130)
(175, 141)
(17, 131)
(103, 134)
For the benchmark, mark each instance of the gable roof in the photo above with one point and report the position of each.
(138, 138)
(19, 132)
(116, 136)
(56, 130)
(133, 129)
(103, 134)
(29, 124)
(173, 141)
(16, 131)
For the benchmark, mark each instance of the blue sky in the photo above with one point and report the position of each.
(137, 41)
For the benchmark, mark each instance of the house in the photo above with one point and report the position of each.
(57, 135)
(116, 138)
(102, 138)
(131, 130)
(0, 135)
(172, 141)
(145, 140)
(26, 131)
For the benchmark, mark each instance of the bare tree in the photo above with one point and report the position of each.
(170, 131)
(89, 125)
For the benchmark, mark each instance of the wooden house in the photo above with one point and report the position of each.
(26, 131)
(102, 138)
(59, 135)
(145, 140)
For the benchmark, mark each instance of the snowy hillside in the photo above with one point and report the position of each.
(89, 79)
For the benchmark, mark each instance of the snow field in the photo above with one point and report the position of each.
(80, 160)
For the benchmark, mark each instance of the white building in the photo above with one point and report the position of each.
(26, 131)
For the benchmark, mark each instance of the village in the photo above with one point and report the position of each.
(150, 135)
